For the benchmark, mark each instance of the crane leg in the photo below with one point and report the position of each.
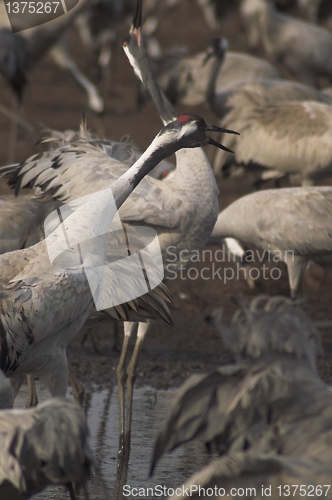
(296, 266)
(121, 375)
(71, 491)
(63, 59)
(32, 399)
(143, 329)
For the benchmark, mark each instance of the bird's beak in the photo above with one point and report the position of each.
(218, 145)
(214, 128)
(137, 21)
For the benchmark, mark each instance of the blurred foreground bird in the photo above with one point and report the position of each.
(269, 414)
(273, 341)
(248, 475)
(43, 446)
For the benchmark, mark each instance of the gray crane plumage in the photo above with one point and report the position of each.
(21, 220)
(247, 92)
(311, 9)
(282, 137)
(41, 446)
(303, 48)
(184, 78)
(158, 203)
(293, 224)
(249, 475)
(176, 208)
(269, 414)
(259, 109)
(35, 325)
(196, 201)
(230, 404)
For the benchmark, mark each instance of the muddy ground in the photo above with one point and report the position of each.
(169, 354)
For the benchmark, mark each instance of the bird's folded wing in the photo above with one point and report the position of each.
(155, 202)
(72, 171)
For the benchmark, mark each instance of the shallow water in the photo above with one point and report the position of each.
(150, 409)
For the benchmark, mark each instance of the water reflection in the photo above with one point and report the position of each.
(150, 409)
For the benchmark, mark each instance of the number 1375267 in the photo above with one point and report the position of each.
(303, 490)
(32, 7)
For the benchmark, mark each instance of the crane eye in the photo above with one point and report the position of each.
(199, 122)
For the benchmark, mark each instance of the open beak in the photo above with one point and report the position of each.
(218, 145)
(214, 128)
(137, 21)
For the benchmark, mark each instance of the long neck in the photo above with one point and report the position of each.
(211, 87)
(160, 148)
(144, 72)
(192, 166)
(269, 20)
(93, 214)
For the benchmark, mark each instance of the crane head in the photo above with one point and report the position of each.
(192, 130)
(218, 47)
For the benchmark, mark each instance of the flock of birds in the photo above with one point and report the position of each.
(266, 416)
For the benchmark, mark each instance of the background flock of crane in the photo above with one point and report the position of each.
(262, 446)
